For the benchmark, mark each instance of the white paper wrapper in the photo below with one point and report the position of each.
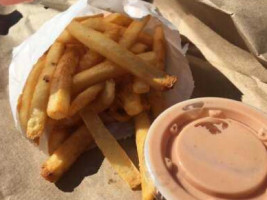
(27, 54)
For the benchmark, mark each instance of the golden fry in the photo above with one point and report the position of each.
(80, 19)
(156, 98)
(26, 97)
(66, 37)
(111, 148)
(66, 154)
(85, 98)
(142, 124)
(106, 97)
(120, 56)
(131, 101)
(38, 115)
(102, 72)
(92, 58)
(89, 59)
(159, 46)
(131, 33)
(56, 138)
(138, 48)
(118, 18)
(102, 25)
(60, 89)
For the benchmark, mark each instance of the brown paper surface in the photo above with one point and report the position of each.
(238, 65)
(90, 178)
(242, 22)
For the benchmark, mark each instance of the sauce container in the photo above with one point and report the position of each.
(208, 148)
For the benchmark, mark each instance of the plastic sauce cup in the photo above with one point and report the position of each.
(208, 148)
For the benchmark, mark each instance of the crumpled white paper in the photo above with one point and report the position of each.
(26, 55)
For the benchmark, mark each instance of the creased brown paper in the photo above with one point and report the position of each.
(242, 22)
(239, 66)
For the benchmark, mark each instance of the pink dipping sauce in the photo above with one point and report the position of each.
(208, 148)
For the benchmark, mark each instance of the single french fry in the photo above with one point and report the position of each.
(131, 33)
(92, 58)
(26, 97)
(139, 86)
(102, 72)
(142, 124)
(66, 37)
(66, 154)
(118, 18)
(156, 98)
(60, 89)
(145, 38)
(80, 19)
(111, 148)
(131, 101)
(56, 138)
(138, 48)
(100, 25)
(159, 46)
(120, 56)
(38, 115)
(89, 59)
(80, 48)
(106, 97)
(85, 98)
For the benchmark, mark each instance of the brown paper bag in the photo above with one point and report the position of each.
(238, 65)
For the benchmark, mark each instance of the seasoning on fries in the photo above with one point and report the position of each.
(99, 65)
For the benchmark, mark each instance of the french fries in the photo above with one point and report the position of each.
(130, 35)
(156, 98)
(85, 98)
(120, 56)
(92, 58)
(60, 89)
(80, 19)
(103, 71)
(66, 37)
(66, 154)
(111, 148)
(131, 101)
(38, 114)
(25, 100)
(159, 46)
(118, 18)
(103, 25)
(142, 124)
(106, 98)
(105, 66)
(139, 48)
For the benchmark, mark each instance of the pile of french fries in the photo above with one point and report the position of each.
(99, 64)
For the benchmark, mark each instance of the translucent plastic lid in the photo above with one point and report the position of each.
(209, 148)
